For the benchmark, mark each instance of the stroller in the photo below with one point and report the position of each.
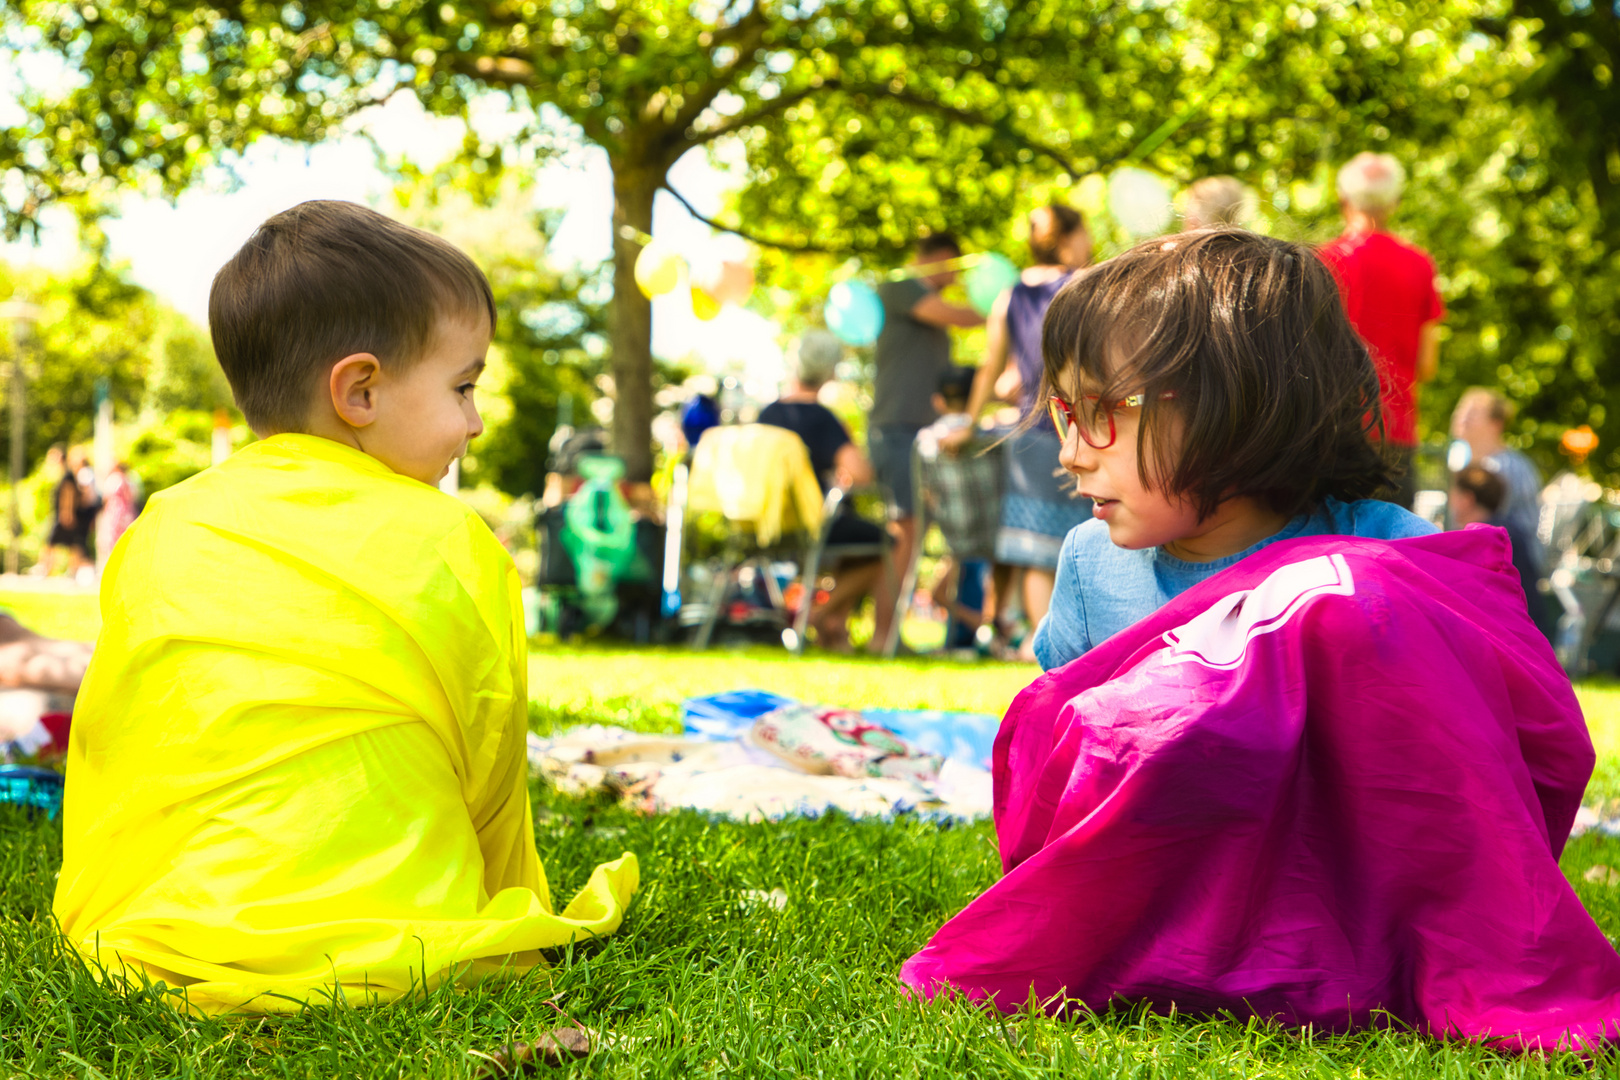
(1580, 526)
(960, 494)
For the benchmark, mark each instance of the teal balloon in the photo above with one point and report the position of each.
(988, 278)
(854, 312)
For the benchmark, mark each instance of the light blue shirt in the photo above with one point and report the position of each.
(1101, 589)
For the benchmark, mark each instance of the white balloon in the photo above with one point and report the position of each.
(1139, 201)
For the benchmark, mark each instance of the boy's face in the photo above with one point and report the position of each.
(426, 414)
(1465, 510)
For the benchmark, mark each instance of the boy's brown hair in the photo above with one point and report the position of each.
(1244, 339)
(325, 280)
(1486, 488)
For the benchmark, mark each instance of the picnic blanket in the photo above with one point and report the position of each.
(754, 755)
(1333, 779)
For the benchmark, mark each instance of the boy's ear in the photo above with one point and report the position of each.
(353, 386)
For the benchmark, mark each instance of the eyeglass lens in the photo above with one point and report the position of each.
(1096, 424)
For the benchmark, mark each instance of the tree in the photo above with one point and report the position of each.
(1563, 223)
(168, 88)
(96, 327)
(865, 124)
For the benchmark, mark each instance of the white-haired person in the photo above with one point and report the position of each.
(837, 461)
(1217, 200)
(1389, 292)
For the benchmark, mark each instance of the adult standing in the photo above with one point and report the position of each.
(1038, 503)
(1390, 296)
(72, 513)
(913, 351)
(118, 510)
(1481, 419)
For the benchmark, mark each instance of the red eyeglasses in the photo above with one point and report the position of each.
(1098, 432)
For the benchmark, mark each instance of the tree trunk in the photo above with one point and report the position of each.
(630, 321)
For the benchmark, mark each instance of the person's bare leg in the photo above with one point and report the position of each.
(1037, 594)
(41, 663)
(904, 531)
(1037, 601)
(850, 585)
(942, 588)
(47, 561)
(995, 597)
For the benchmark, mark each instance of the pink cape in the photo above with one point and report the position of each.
(1333, 779)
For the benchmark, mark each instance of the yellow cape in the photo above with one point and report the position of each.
(297, 763)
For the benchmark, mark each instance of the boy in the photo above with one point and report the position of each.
(961, 490)
(297, 768)
(1481, 496)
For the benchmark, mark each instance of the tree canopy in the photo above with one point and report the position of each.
(867, 124)
(95, 327)
(167, 88)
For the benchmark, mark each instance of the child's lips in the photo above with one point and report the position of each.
(1100, 507)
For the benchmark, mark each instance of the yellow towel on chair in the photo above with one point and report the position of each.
(297, 766)
(759, 474)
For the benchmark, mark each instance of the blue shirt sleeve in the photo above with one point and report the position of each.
(1061, 637)
(1385, 521)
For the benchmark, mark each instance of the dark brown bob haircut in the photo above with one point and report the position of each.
(1244, 340)
(325, 280)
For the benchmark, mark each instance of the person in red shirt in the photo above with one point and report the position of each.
(1390, 295)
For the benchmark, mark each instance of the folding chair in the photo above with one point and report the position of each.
(758, 477)
(822, 551)
(759, 480)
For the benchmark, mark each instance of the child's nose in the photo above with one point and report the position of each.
(1076, 456)
(475, 426)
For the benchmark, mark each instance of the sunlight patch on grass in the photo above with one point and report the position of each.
(76, 616)
(1600, 702)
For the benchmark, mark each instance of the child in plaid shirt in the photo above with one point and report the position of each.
(960, 490)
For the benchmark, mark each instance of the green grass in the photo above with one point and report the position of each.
(698, 982)
(62, 615)
(643, 690)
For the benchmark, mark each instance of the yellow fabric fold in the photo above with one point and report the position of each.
(757, 474)
(297, 765)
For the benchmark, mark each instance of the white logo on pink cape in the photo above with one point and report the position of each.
(1220, 636)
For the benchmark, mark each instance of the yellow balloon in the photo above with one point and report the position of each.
(658, 270)
(704, 306)
(736, 282)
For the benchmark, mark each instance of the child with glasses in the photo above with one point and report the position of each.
(1212, 399)
(1327, 785)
